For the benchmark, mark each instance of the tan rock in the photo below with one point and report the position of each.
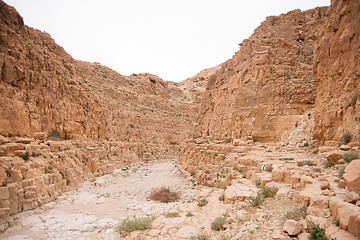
(352, 176)
(334, 157)
(4, 140)
(324, 185)
(39, 135)
(303, 236)
(278, 236)
(345, 147)
(239, 192)
(347, 214)
(24, 140)
(292, 227)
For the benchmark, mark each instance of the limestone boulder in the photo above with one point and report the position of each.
(334, 157)
(352, 176)
(292, 227)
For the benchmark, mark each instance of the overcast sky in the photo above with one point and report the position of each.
(173, 39)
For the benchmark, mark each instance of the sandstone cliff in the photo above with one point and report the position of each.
(43, 88)
(100, 120)
(337, 73)
(266, 92)
(267, 89)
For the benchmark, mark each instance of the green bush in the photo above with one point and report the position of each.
(346, 138)
(317, 233)
(256, 201)
(268, 192)
(341, 172)
(26, 156)
(218, 223)
(54, 135)
(202, 202)
(129, 225)
(221, 198)
(349, 156)
(328, 164)
(296, 214)
(199, 237)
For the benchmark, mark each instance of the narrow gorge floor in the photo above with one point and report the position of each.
(94, 210)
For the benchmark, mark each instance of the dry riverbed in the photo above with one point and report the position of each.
(94, 210)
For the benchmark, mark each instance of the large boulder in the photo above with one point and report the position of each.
(352, 176)
(292, 227)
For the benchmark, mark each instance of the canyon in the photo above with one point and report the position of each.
(281, 113)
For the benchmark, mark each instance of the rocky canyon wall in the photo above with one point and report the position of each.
(63, 121)
(337, 73)
(267, 89)
(266, 92)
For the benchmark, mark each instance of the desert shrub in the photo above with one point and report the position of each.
(352, 101)
(328, 164)
(164, 195)
(316, 151)
(8, 172)
(296, 214)
(256, 201)
(189, 214)
(129, 225)
(268, 192)
(202, 202)
(199, 237)
(26, 156)
(317, 233)
(349, 156)
(346, 138)
(172, 215)
(222, 197)
(341, 172)
(308, 163)
(218, 223)
(54, 135)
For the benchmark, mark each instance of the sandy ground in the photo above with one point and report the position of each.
(93, 211)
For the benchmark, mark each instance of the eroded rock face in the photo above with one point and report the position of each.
(44, 88)
(266, 92)
(337, 73)
(267, 89)
(100, 119)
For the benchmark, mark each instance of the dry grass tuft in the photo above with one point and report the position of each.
(164, 195)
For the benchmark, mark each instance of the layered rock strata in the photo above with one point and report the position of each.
(337, 73)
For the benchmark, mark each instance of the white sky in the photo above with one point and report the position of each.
(174, 39)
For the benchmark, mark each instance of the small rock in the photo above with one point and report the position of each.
(324, 185)
(326, 192)
(278, 236)
(345, 147)
(334, 157)
(341, 184)
(292, 227)
(303, 236)
(4, 139)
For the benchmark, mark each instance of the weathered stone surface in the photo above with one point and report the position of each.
(347, 214)
(239, 192)
(336, 67)
(352, 176)
(292, 227)
(334, 157)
